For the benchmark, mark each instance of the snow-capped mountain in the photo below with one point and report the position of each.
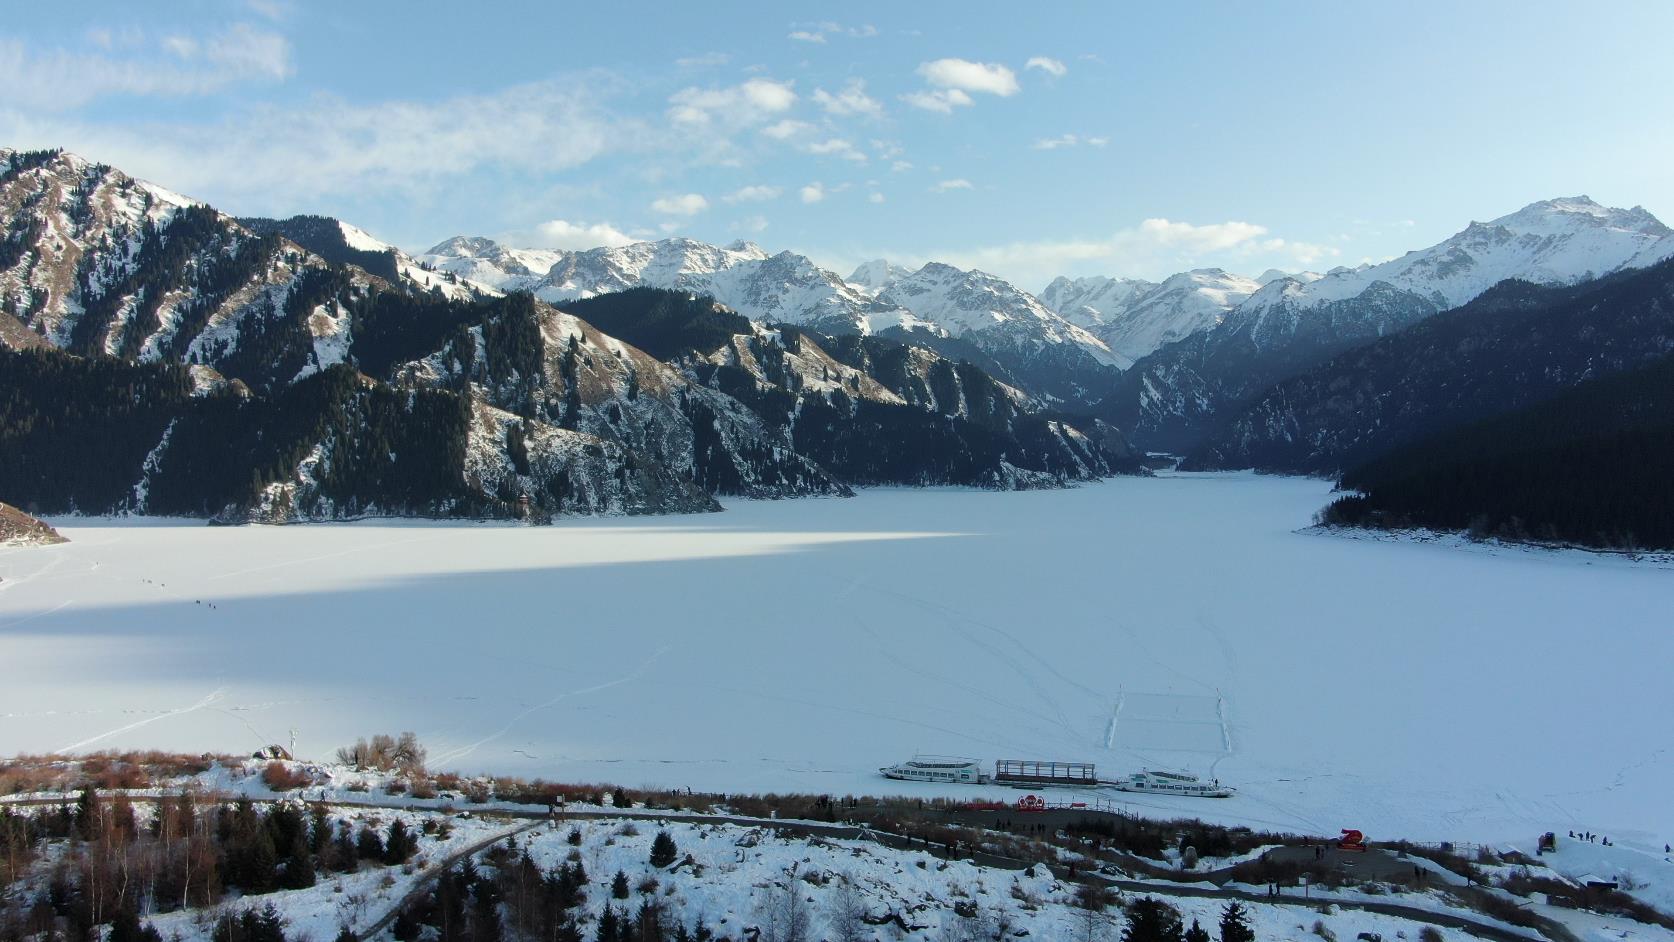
(969, 314)
(878, 274)
(302, 369)
(1291, 324)
(783, 288)
(1552, 242)
(1514, 345)
(486, 262)
(1274, 274)
(1090, 302)
(1135, 317)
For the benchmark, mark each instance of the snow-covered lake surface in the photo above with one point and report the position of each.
(1420, 690)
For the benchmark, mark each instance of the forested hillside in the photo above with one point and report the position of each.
(1513, 346)
(162, 357)
(1590, 467)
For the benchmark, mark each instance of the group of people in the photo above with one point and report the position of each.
(1592, 838)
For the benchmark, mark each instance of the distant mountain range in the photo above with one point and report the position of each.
(964, 313)
(168, 358)
(1176, 397)
(653, 377)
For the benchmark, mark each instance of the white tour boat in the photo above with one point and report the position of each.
(943, 769)
(1173, 783)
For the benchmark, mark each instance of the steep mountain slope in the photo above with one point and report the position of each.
(260, 371)
(1171, 398)
(1512, 346)
(1136, 317)
(20, 529)
(877, 274)
(106, 436)
(1588, 466)
(871, 409)
(1001, 326)
(1045, 354)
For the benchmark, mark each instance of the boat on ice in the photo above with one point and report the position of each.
(1157, 782)
(947, 770)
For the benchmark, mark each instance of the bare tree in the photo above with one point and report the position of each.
(848, 912)
(785, 916)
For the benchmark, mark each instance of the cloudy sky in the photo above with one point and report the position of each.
(1025, 140)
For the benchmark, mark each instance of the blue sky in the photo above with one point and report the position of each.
(1028, 140)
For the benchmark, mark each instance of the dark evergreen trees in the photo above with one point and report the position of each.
(1589, 466)
(251, 925)
(369, 844)
(1152, 920)
(126, 927)
(1196, 933)
(663, 850)
(1235, 924)
(400, 845)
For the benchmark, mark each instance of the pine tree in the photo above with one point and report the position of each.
(1235, 924)
(299, 866)
(88, 814)
(406, 927)
(369, 845)
(126, 927)
(1152, 920)
(346, 934)
(400, 845)
(609, 930)
(619, 885)
(1197, 933)
(663, 850)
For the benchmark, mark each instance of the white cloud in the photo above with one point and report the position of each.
(562, 234)
(750, 102)
(706, 60)
(272, 9)
(967, 76)
(265, 160)
(944, 186)
(786, 129)
(836, 147)
(900, 166)
(874, 197)
(812, 193)
(817, 32)
(1207, 238)
(944, 100)
(686, 204)
(753, 194)
(1050, 66)
(752, 223)
(177, 65)
(1153, 248)
(1068, 140)
(851, 99)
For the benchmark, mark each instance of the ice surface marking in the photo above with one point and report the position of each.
(1172, 722)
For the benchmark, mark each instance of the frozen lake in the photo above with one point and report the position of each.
(1424, 690)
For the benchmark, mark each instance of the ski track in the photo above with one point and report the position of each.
(455, 755)
(213, 696)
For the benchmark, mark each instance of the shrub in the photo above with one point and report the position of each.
(385, 752)
(1429, 934)
(281, 777)
(663, 851)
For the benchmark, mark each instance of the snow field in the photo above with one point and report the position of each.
(1407, 689)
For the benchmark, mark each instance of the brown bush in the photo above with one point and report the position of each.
(283, 778)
